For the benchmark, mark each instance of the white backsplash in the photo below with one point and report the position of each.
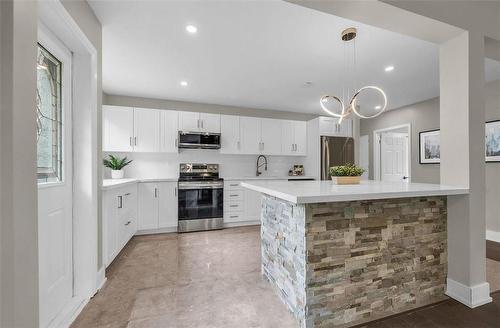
(154, 165)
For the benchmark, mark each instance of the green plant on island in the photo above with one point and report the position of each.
(349, 170)
(116, 163)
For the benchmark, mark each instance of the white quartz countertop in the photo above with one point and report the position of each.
(286, 177)
(116, 183)
(301, 192)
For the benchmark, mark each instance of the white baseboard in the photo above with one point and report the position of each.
(241, 224)
(155, 231)
(493, 236)
(69, 313)
(101, 278)
(472, 296)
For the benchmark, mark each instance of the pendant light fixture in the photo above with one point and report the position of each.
(349, 90)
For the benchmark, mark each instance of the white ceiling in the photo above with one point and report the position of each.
(254, 54)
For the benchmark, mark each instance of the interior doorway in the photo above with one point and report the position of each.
(392, 153)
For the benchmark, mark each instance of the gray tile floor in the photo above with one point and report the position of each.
(203, 280)
(206, 279)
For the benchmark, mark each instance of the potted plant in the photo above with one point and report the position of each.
(116, 165)
(346, 174)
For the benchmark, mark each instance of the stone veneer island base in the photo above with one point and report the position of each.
(343, 263)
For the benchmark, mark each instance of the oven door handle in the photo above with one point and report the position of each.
(199, 186)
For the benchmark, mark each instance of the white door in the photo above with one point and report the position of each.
(54, 173)
(230, 134)
(250, 135)
(147, 206)
(167, 213)
(393, 157)
(300, 131)
(117, 128)
(189, 121)
(210, 122)
(288, 137)
(146, 130)
(271, 136)
(169, 131)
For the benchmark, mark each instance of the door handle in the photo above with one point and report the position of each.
(128, 222)
(405, 177)
(175, 191)
(201, 124)
(156, 192)
(135, 141)
(120, 201)
(130, 141)
(128, 194)
(176, 143)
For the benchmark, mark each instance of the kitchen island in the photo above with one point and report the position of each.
(341, 255)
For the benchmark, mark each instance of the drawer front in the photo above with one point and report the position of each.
(232, 185)
(234, 206)
(232, 195)
(234, 217)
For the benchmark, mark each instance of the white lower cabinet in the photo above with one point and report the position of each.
(157, 206)
(241, 206)
(119, 219)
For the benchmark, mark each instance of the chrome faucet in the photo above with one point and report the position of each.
(258, 166)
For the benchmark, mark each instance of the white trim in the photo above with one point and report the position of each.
(101, 278)
(376, 149)
(493, 236)
(69, 313)
(241, 224)
(473, 296)
(85, 154)
(156, 231)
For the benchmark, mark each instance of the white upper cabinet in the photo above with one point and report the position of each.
(270, 136)
(189, 121)
(300, 138)
(199, 122)
(250, 135)
(210, 122)
(118, 128)
(169, 131)
(329, 126)
(167, 213)
(293, 138)
(230, 134)
(146, 130)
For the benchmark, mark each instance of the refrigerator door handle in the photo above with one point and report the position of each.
(327, 166)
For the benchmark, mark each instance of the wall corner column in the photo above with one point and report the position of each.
(462, 117)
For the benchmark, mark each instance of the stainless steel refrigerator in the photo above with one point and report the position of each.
(335, 151)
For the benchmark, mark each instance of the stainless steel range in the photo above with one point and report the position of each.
(201, 195)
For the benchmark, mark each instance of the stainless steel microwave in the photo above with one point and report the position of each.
(199, 140)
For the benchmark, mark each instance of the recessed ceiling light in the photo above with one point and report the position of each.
(184, 83)
(191, 29)
(378, 107)
(389, 68)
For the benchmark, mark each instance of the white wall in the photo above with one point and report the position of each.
(153, 165)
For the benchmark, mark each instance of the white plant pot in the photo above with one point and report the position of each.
(117, 174)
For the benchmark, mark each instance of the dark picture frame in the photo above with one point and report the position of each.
(492, 141)
(426, 151)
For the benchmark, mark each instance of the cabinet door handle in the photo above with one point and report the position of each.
(128, 222)
(128, 194)
(135, 141)
(233, 216)
(238, 143)
(233, 205)
(234, 184)
(198, 124)
(130, 141)
(234, 195)
(156, 192)
(202, 124)
(176, 143)
(175, 191)
(120, 202)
